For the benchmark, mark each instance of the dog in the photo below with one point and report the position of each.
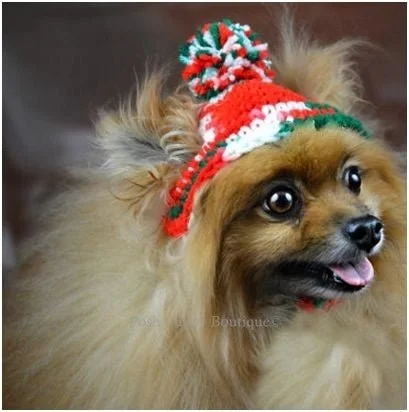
(209, 263)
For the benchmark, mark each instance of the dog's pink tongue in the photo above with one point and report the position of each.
(358, 275)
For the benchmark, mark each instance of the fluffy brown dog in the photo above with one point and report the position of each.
(109, 312)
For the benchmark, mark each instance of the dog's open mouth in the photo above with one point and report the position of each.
(348, 277)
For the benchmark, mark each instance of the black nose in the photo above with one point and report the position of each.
(365, 232)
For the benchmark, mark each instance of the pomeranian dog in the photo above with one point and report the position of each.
(242, 246)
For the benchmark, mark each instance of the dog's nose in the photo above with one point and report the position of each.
(365, 232)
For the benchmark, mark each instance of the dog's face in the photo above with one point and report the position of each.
(300, 218)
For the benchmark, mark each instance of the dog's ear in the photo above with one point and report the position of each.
(321, 73)
(150, 129)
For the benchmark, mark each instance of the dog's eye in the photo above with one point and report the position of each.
(352, 179)
(280, 201)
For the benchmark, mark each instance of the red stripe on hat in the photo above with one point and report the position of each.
(179, 226)
(225, 33)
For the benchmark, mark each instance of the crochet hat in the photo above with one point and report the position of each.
(228, 69)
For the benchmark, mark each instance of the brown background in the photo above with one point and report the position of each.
(60, 62)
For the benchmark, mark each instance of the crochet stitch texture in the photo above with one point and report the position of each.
(227, 68)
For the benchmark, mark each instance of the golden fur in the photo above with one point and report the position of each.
(106, 312)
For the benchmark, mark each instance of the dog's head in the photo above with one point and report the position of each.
(305, 216)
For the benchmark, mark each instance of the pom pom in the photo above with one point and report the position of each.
(221, 54)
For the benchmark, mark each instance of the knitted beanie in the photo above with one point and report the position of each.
(227, 68)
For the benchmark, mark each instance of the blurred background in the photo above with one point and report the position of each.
(62, 61)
